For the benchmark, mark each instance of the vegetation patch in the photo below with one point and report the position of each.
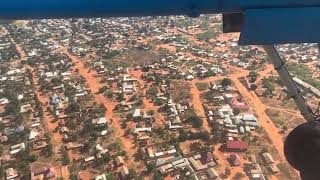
(202, 86)
(303, 73)
(129, 58)
(277, 117)
(206, 36)
(283, 168)
(180, 91)
(192, 118)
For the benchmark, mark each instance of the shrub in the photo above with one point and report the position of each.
(226, 82)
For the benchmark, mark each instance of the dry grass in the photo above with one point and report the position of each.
(180, 91)
(132, 57)
(279, 118)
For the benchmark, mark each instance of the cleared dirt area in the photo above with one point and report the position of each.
(280, 103)
(186, 146)
(279, 118)
(181, 91)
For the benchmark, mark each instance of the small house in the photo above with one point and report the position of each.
(137, 113)
(119, 161)
(234, 160)
(267, 158)
(42, 173)
(237, 146)
(17, 148)
(212, 173)
(11, 173)
(89, 160)
(99, 121)
(273, 169)
(101, 177)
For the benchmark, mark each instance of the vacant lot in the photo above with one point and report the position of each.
(131, 57)
(180, 91)
(202, 86)
(277, 102)
(278, 118)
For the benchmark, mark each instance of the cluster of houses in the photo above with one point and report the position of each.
(8, 51)
(270, 163)
(31, 127)
(169, 161)
(117, 163)
(232, 125)
(234, 120)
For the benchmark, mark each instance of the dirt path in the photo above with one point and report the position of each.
(260, 108)
(196, 99)
(271, 130)
(198, 107)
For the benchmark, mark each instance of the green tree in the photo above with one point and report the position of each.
(267, 83)
(72, 108)
(1, 150)
(204, 135)
(13, 107)
(73, 177)
(65, 156)
(50, 149)
(110, 176)
(2, 126)
(209, 96)
(102, 89)
(253, 87)
(195, 120)
(109, 94)
(158, 102)
(157, 176)
(238, 176)
(56, 81)
(121, 97)
(267, 93)
(24, 169)
(236, 111)
(226, 82)
(152, 92)
(2, 174)
(253, 76)
(132, 173)
(191, 177)
(150, 112)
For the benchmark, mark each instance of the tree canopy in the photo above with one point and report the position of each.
(226, 82)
